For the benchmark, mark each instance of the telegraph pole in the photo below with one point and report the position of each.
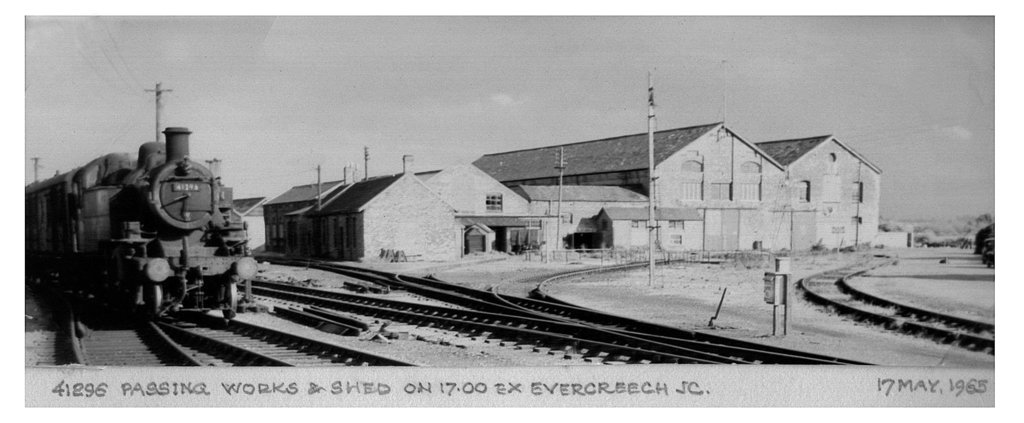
(366, 162)
(651, 222)
(560, 165)
(159, 106)
(318, 192)
(35, 168)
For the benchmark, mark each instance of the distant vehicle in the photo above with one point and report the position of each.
(983, 234)
(988, 252)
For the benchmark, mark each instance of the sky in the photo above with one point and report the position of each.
(275, 97)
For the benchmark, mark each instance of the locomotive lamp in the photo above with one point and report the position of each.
(158, 270)
(245, 267)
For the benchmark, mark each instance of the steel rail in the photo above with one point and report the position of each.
(633, 329)
(333, 353)
(893, 322)
(906, 310)
(479, 323)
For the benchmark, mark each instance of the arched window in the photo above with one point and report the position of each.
(693, 166)
(803, 191)
(750, 167)
(833, 164)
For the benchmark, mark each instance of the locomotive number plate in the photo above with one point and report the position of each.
(184, 187)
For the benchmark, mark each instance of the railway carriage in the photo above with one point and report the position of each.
(155, 234)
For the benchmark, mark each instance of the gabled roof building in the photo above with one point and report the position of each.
(834, 191)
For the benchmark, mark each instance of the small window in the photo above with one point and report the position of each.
(833, 164)
(494, 202)
(567, 218)
(675, 224)
(636, 223)
(720, 191)
(677, 240)
(858, 220)
(803, 191)
(858, 192)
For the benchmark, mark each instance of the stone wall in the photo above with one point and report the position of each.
(409, 217)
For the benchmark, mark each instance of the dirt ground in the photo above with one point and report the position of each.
(962, 286)
(687, 295)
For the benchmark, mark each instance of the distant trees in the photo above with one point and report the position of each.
(935, 232)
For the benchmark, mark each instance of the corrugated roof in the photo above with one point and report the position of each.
(577, 193)
(789, 151)
(357, 195)
(303, 193)
(663, 213)
(244, 205)
(605, 155)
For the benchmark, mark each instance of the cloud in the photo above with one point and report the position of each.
(503, 99)
(957, 132)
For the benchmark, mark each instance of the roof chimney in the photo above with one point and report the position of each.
(407, 161)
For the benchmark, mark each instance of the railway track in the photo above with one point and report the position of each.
(246, 344)
(549, 308)
(830, 289)
(49, 329)
(515, 325)
(105, 338)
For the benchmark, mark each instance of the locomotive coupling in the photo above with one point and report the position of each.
(158, 270)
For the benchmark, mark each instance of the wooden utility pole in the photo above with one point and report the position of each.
(366, 162)
(159, 106)
(560, 165)
(651, 221)
(35, 168)
(318, 190)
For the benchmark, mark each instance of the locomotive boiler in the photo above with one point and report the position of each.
(154, 234)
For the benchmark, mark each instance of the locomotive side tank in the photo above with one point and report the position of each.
(155, 234)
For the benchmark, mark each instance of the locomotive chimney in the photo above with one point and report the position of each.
(407, 161)
(177, 143)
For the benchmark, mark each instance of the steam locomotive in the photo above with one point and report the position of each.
(154, 235)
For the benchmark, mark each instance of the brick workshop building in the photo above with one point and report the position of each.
(491, 216)
(286, 231)
(835, 192)
(395, 213)
(746, 197)
(580, 205)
